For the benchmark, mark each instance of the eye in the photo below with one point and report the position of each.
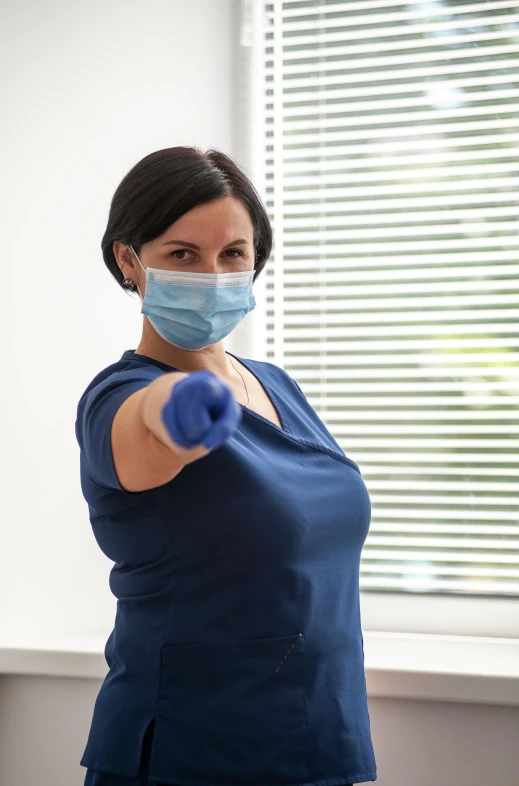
(180, 251)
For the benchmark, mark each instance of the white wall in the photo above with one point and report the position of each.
(87, 89)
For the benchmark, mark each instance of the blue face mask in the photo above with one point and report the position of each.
(194, 310)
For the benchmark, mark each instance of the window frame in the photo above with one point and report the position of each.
(397, 612)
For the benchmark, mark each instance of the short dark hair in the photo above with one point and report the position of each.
(164, 185)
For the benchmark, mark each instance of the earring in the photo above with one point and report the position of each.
(128, 282)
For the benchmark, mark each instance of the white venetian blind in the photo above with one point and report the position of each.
(392, 172)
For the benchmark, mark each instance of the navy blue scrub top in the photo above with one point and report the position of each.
(237, 631)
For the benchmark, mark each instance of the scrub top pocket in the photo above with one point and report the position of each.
(233, 713)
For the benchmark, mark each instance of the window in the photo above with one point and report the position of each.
(389, 155)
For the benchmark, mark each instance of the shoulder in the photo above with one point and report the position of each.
(122, 372)
(96, 410)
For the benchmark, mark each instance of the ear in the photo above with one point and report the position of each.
(124, 258)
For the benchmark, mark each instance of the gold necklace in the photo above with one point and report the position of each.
(234, 367)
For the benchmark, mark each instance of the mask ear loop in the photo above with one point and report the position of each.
(142, 266)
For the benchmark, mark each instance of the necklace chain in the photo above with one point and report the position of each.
(234, 367)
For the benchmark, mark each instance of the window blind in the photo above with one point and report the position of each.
(391, 167)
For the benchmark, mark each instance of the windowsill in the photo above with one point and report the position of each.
(398, 665)
(442, 668)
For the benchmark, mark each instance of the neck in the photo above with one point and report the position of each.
(213, 358)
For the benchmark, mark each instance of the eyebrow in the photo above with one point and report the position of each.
(192, 245)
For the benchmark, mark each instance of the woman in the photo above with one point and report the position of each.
(234, 519)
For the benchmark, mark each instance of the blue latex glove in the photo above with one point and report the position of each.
(201, 409)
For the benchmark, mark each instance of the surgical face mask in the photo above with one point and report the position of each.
(194, 310)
